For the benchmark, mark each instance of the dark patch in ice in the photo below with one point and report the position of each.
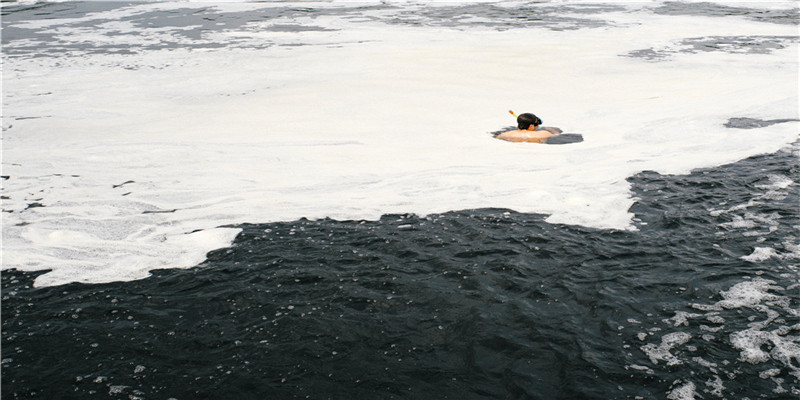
(786, 16)
(555, 18)
(34, 205)
(159, 211)
(565, 138)
(296, 28)
(738, 44)
(62, 10)
(122, 184)
(648, 54)
(726, 44)
(188, 27)
(752, 123)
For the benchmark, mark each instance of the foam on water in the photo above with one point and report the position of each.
(122, 163)
(755, 318)
(661, 352)
(684, 392)
(760, 254)
(767, 342)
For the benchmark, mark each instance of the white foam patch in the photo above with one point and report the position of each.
(681, 318)
(793, 248)
(662, 352)
(768, 341)
(760, 254)
(364, 120)
(749, 294)
(687, 391)
(777, 182)
(740, 223)
(716, 386)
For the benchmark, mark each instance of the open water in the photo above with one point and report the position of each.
(175, 227)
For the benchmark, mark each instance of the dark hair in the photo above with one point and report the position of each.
(524, 121)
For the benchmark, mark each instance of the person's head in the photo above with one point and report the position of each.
(524, 121)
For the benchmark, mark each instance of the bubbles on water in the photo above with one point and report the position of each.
(686, 391)
(757, 219)
(761, 254)
(758, 322)
(661, 352)
(682, 318)
(116, 389)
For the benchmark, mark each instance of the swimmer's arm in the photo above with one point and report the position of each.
(509, 136)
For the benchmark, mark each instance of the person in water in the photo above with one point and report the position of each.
(530, 130)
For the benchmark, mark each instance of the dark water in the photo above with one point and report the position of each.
(476, 304)
(565, 138)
